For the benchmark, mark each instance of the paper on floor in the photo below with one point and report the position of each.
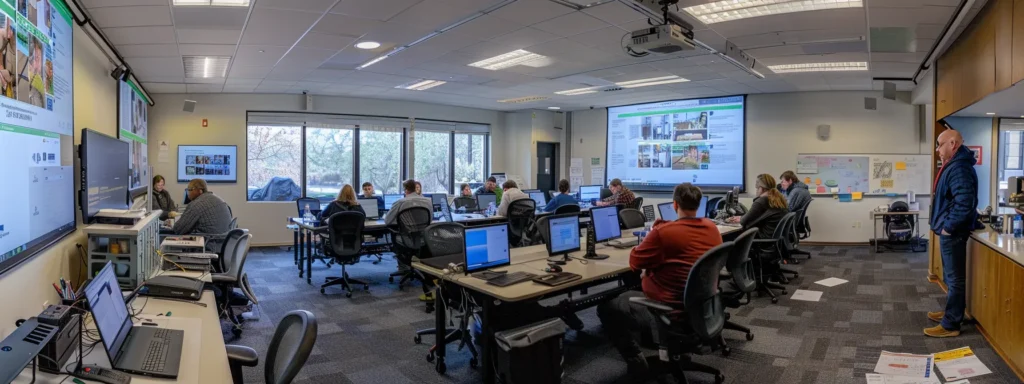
(806, 295)
(959, 382)
(831, 282)
(874, 378)
(960, 363)
(905, 364)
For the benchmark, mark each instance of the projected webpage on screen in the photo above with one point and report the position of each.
(656, 146)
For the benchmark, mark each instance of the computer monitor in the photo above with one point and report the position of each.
(439, 198)
(563, 234)
(483, 199)
(390, 199)
(369, 206)
(702, 210)
(538, 196)
(668, 213)
(590, 192)
(487, 247)
(606, 223)
(108, 309)
(186, 200)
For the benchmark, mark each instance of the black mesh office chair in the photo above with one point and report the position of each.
(227, 249)
(649, 213)
(636, 204)
(630, 218)
(799, 232)
(769, 254)
(542, 228)
(787, 245)
(568, 208)
(465, 203)
(234, 277)
(408, 241)
(741, 278)
(448, 239)
(700, 325)
(345, 245)
(522, 228)
(289, 348)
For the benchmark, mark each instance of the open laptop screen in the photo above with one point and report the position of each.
(370, 207)
(108, 310)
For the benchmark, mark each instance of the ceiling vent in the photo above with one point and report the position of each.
(527, 99)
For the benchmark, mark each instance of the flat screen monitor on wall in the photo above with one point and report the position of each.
(37, 208)
(213, 163)
(133, 128)
(105, 173)
(656, 146)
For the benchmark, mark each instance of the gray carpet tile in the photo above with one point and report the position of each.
(369, 337)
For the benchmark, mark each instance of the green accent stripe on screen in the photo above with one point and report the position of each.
(684, 110)
(63, 10)
(131, 136)
(138, 91)
(27, 131)
(7, 7)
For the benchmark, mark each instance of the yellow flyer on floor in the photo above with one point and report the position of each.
(960, 363)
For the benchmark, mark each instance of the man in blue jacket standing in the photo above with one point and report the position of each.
(954, 203)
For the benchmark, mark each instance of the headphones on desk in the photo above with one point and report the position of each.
(454, 268)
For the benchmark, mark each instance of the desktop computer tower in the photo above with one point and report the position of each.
(57, 352)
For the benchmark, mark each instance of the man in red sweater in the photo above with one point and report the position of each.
(665, 257)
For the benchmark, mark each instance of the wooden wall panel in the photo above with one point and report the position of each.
(996, 301)
(1004, 44)
(1018, 41)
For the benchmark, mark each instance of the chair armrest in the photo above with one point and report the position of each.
(242, 355)
(766, 241)
(219, 278)
(651, 304)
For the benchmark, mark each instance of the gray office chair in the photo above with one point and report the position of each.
(465, 203)
(801, 230)
(408, 241)
(522, 228)
(630, 218)
(233, 277)
(741, 277)
(227, 249)
(686, 332)
(770, 253)
(234, 223)
(636, 204)
(449, 239)
(345, 244)
(542, 228)
(288, 351)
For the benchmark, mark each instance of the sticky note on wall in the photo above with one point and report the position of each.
(845, 197)
(858, 195)
(901, 166)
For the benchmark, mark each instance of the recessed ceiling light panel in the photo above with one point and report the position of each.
(652, 81)
(820, 67)
(367, 45)
(421, 85)
(729, 10)
(577, 91)
(206, 67)
(506, 60)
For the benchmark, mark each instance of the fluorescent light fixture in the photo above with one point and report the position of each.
(205, 67)
(215, 3)
(367, 45)
(577, 91)
(820, 67)
(729, 10)
(652, 81)
(554, 108)
(990, 113)
(372, 62)
(526, 99)
(506, 60)
(421, 85)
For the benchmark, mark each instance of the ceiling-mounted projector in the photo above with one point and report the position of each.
(662, 39)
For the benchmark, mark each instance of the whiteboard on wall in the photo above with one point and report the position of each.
(870, 174)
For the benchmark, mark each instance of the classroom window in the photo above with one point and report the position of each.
(273, 152)
(1011, 153)
(329, 154)
(470, 166)
(432, 161)
(380, 160)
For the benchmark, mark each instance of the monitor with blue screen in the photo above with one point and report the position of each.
(487, 247)
(606, 223)
(563, 234)
(590, 192)
(390, 199)
(484, 199)
(538, 196)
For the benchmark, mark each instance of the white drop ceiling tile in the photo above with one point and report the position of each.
(392, 34)
(352, 56)
(149, 50)
(140, 35)
(277, 83)
(234, 81)
(273, 26)
(325, 41)
(306, 57)
(222, 18)
(200, 80)
(208, 36)
(164, 87)
(319, 6)
(121, 3)
(157, 66)
(614, 13)
(338, 24)
(609, 38)
(484, 27)
(288, 73)
(433, 14)
(703, 76)
(241, 71)
(247, 54)
(524, 38)
(326, 75)
(238, 88)
(163, 79)
(206, 49)
(928, 31)
(483, 50)
(138, 16)
(376, 79)
(527, 12)
(571, 24)
(445, 43)
(373, 9)
(203, 88)
(311, 86)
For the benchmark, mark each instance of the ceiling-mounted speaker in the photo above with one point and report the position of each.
(889, 90)
(824, 131)
(870, 103)
(190, 106)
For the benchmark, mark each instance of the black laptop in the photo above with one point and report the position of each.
(143, 350)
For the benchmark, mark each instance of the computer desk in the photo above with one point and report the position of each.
(204, 358)
(531, 259)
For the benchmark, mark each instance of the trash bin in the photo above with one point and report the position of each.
(530, 354)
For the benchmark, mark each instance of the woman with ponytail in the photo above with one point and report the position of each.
(767, 210)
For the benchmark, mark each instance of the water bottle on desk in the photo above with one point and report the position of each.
(1018, 227)
(491, 210)
(307, 215)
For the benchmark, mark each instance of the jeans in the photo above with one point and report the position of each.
(954, 270)
(620, 319)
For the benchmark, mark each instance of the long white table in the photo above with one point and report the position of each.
(204, 357)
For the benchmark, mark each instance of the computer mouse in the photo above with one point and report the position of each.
(553, 268)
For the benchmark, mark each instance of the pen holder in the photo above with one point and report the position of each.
(80, 303)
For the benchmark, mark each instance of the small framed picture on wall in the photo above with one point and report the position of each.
(978, 154)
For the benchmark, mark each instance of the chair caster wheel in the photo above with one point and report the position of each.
(323, 291)
(237, 332)
(473, 362)
(430, 357)
(440, 367)
(348, 294)
(750, 336)
(391, 279)
(726, 351)
(719, 378)
(417, 339)
(775, 300)
(796, 275)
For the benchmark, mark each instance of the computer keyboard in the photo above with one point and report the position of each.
(511, 278)
(156, 355)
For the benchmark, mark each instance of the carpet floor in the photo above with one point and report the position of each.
(369, 338)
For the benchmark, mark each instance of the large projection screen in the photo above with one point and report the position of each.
(656, 146)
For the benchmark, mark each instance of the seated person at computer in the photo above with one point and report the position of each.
(465, 191)
(563, 198)
(666, 255)
(620, 195)
(411, 199)
(162, 199)
(345, 202)
(511, 193)
(206, 214)
(491, 186)
(767, 210)
(368, 194)
(796, 192)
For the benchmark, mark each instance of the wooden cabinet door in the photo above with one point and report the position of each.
(1018, 41)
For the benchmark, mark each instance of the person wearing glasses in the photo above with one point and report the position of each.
(206, 214)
